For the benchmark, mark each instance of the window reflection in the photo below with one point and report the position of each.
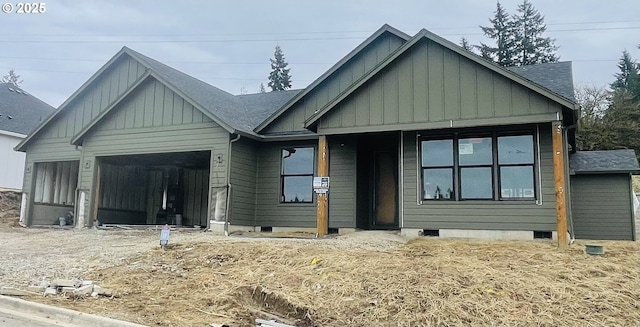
(297, 175)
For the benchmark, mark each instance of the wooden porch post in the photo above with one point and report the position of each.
(559, 177)
(323, 171)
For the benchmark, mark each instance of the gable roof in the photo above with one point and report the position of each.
(382, 30)
(260, 106)
(234, 113)
(21, 112)
(424, 34)
(609, 161)
(555, 76)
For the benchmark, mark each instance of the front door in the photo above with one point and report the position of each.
(385, 189)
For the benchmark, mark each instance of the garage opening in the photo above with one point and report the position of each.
(54, 192)
(154, 189)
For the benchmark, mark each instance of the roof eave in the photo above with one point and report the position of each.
(204, 111)
(334, 68)
(354, 86)
(22, 145)
(77, 139)
(564, 102)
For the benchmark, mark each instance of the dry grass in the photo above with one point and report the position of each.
(636, 183)
(425, 282)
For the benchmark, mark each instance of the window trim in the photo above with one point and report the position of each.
(460, 167)
(283, 176)
(452, 167)
(534, 166)
(455, 136)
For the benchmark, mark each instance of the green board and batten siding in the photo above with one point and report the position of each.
(154, 119)
(53, 141)
(484, 215)
(269, 211)
(601, 206)
(431, 87)
(293, 119)
(343, 172)
(243, 173)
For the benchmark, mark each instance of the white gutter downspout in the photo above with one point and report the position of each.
(226, 214)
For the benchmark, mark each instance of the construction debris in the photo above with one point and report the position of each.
(270, 323)
(69, 287)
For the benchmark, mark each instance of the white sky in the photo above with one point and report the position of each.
(228, 43)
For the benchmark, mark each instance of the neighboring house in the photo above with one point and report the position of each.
(20, 113)
(422, 136)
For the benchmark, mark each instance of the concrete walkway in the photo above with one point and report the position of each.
(17, 312)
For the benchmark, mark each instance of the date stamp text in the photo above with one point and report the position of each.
(24, 8)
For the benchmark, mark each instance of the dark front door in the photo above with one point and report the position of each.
(385, 189)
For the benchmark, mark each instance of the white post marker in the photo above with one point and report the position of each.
(164, 236)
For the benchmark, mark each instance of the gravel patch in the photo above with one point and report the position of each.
(33, 255)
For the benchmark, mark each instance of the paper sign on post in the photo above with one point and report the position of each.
(321, 185)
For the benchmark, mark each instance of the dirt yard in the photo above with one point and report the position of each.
(9, 208)
(362, 279)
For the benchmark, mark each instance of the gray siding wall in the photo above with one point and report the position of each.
(369, 57)
(153, 119)
(492, 215)
(342, 194)
(269, 210)
(433, 85)
(601, 206)
(243, 182)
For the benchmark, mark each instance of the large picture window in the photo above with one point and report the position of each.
(296, 177)
(479, 166)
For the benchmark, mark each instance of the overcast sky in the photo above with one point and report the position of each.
(228, 43)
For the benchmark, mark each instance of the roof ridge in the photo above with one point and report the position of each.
(150, 62)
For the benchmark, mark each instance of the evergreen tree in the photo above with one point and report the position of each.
(527, 30)
(501, 32)
(12, 78)
(628, 80)
(279, 78)
(262, 90)
(465, 44)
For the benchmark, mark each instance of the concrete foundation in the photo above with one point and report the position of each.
(487, 234)
(293, 230)
(217, 228)
(470, 233)
(343, 231)
(410, 232)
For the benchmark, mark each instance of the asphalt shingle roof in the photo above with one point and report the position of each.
(244, 112)
(555, 76)
(21, 112)
(604, 161)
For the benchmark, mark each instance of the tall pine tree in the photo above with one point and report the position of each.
(501, 32)
(527, 30)
(519, 38)
(465, 44)
(279, 78)
(628, 79)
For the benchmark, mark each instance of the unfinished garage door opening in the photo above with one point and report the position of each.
(54, 192)
(154, 189)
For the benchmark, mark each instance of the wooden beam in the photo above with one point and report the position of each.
(323, 171)
(559, 177)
